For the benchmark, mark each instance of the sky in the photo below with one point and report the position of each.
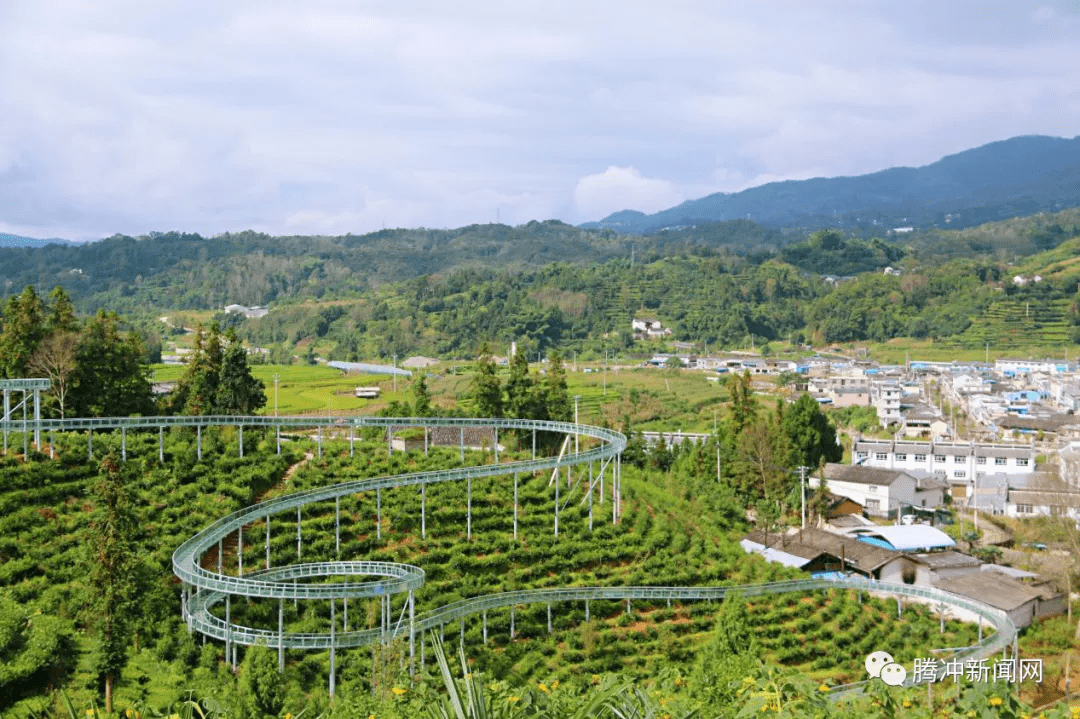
(329, 117)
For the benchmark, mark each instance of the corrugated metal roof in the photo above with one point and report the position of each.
(905, 538)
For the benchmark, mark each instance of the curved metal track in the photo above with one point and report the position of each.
(203, 588)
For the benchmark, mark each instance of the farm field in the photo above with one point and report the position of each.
(653, 399)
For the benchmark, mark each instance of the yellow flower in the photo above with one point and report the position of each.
(543, 688)
(996, 701)
(512, 699)
(398, 690)
(748, 680)
(823, 688)
(907, 703)
(555, 685)
(595, 678)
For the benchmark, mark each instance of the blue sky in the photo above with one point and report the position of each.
(331, 117)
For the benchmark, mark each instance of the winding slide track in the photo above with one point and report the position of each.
(202, 588)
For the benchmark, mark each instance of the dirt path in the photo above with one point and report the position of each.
(289, 474)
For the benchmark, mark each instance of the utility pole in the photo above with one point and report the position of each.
(395, 373)
(576, 398)
(277, 377)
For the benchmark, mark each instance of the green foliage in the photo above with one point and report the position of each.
(485, 392)
(261, 683)
(217, 379)
(110, 378)
(811, 436)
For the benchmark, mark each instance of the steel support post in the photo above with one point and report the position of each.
(25, 429)
(468, 508)
(7, 416)
(337, 527)
(423, 511)
(534, 444)
(549, 617)
(412, 635)
(345, 606)
(278, 437)
(496, 430)
(425, 440)
(899, 609)
(586, 610)
(352, 437)
(198, 441)
(281, 635)
(485, 628)
(161, 445)
(240, 551)
(556, 504)
(590, 496)
(52, 444)
(318, 441)
(461, 625)
(628, 607)
(389, 442)
(378, 513)
(240, 434)
(220, 556)
(89, 444)
(333, 656)
(37, 420)
(123, 444)
(298, 534)
(268, 541)
(614, 497)
(461, 445)
(228, 626)
(511, 621)
(515, 505)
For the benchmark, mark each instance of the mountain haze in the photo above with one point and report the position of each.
(1004, 179)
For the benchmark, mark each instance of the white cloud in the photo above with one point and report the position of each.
(621, 188)
(199, 115)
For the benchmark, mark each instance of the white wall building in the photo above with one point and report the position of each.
(951, 460)
(879, 491)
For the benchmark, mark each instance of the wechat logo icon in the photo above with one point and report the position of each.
(880, 665)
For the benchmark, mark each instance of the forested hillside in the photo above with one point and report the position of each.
(447, 292)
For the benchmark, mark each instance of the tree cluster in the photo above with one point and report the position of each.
(95, 367)
(217, 379)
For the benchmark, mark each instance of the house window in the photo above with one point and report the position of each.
(940, 471)
(880, 457)
(980, 460)
(861, 455)
(999, 461)
(920, 458)
(957, 459)
(873, 504)
(939, 458)
(871, 488)
(959, 474)
(1024, 509)
(1021, 461)
(901, 458)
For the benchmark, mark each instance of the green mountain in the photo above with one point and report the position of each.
(1014, 177)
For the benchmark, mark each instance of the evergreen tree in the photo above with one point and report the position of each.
(421, 396)
(111, 560)
(520, 389)
(730, 656)
(61, 312)
(110, 378)
(556, 395)
(485, 392)
(261, 682)
(238, 392)
(810, 434)
(743, 405)
(23, 328)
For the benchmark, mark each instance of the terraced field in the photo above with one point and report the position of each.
(1017, 324)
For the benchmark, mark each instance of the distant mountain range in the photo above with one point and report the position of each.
(1005, 179)
(7, 240)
